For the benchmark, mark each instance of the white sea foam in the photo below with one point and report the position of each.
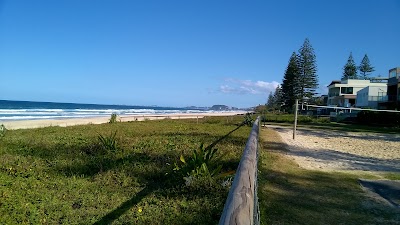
(23, 110)
(37, 113)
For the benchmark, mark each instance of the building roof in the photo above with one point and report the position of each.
(334, 82)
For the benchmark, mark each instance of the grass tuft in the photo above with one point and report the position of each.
(113, 118)
(109, 143)
(3, 130)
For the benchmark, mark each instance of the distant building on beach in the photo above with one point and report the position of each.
(392, 99)
(375, 93)
(370, 96)
(343, 93)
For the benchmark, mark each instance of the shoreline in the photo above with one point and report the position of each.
(28, 124)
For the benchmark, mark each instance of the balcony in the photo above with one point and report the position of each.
(393, 81)
(387, 98)
(334, 94)
(378, 98)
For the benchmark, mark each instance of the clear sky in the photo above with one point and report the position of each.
(182, 53)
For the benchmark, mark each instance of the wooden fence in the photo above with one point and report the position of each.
(241, 206)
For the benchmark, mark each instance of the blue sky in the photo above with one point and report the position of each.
(181, 53)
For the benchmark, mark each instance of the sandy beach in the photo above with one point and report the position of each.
(25, 124)
(340, 150)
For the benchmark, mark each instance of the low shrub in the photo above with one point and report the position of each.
(3, 130)
(248, 120)
(113, 118)
(108, 143)
(202, 163)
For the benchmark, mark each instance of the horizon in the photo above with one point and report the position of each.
(100, 104)
(177, 53)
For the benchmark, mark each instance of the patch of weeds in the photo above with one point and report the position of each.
(109, 142)
(3, 130)
(202, 168)
(247, 120)
(113, 118)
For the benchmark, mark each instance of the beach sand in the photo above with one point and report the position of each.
(25, 124)
(340, 150)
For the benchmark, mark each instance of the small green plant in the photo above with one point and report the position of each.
(247, 120)
(201, 164)
(113, 118)
(3, 130)
(109, 142)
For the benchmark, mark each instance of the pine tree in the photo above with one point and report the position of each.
(365, 67)
(350, 69)
(270, 101)
(278, 98)
(308, 79)
(290, 83)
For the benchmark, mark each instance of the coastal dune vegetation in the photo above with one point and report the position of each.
(117, 172)
(169, 172)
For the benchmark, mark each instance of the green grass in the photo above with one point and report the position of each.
(289, 194)
(60, 175)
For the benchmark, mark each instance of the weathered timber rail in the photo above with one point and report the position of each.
(241, 206)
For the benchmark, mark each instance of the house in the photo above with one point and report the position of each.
(370, 96)
(392, 101)
(344, 93)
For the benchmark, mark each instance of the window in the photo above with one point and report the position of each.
(392, 74)
(346, 90)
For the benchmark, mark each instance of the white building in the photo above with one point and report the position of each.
(344, 93)
(369, 97)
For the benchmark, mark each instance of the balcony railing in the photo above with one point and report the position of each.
(333, 94)
(386, 98)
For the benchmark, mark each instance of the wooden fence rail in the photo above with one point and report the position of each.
(241, 206)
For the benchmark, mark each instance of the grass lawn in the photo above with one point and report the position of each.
(289, 194)
(58, 175)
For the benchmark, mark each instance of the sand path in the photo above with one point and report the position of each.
(340, 150)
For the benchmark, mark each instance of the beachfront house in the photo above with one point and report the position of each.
(370, 96)
(343, 93)
(392, 100)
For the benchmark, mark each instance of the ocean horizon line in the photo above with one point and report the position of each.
(97, 104)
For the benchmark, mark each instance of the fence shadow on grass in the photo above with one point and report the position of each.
(120, 210)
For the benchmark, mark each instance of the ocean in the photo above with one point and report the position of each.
(26, 110)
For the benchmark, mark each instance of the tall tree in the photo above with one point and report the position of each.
(291, 83)
(365, 67)
(278, 97)
(308, 78)
(350, 69)
(270, 101)
(275, 99)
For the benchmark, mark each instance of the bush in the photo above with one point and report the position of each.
(113, 118)
(247, 120)
(108, 143)
(3, 130)
(200, 164)
(202, 169)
